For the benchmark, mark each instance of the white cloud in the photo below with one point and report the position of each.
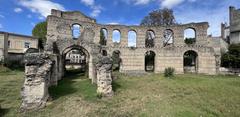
(171, 3)
(43, 7)
(113, 23)
(96, 9)
(88, 2)
(137, 2)
(18, 10)
(141, 2)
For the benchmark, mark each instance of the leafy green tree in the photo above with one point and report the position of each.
(160, 17)
(190, 41)
(231, 59)
(40, 31)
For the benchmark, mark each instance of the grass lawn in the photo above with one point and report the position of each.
(147, 96)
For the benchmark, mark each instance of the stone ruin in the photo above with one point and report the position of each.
(45, 69)
(104, 76)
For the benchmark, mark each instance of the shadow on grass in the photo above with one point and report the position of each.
(3, 112)
(115, 85)
(66, 85)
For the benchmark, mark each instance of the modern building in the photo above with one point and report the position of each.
(234, 18)
(13, 46)
(75, 57)
(225, 32)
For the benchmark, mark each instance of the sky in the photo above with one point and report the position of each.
(20, 16)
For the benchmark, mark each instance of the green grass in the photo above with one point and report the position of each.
(152, 95)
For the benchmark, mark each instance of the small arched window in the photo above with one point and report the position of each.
(189, 36)
(103, 36)
(116, 36)
(132, 39)
(149, 40)
(168, 37)
(76, 31)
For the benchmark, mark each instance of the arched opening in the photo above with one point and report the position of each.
(104, 52)
(116, 36)
(132, 39)
(150, 61)
(190, 60)
(168, 37)
(149, 40)
(103, 36)
(76, 31)
(75, 61)
(190, 36)
(116, 60)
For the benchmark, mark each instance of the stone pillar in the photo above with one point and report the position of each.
(37, 80)
(104, 76)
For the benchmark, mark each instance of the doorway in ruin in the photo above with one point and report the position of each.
(75, 60)
(190, 61)
(150, 61)
(116, 60)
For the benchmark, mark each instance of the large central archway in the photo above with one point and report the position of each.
(75, 60)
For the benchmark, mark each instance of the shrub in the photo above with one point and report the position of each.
(169, 72)
(190, 41)
(231, 59)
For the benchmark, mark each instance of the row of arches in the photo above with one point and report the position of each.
(189, 36)
(76, 59)
(190, 61)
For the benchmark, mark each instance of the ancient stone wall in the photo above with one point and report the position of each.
(45, 69)
(60, 28)
(104, 76)
(38, 71)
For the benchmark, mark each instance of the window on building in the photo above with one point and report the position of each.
(168, 37)
(149, 40)
(116, 36)
(190, 36)
(132, 39)
(9, 43)
(103, 36)
(26, 45)
(76, 31)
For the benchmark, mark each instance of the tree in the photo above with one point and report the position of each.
(231, 59)
(102, 38)
(40, 31)
(116, 60)
(160, 17)
(190, 41)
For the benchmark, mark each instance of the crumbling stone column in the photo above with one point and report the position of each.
(37, 80)
(104, 76)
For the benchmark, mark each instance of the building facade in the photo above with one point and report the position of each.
(234, 18)
(74, 30)
(13, 46)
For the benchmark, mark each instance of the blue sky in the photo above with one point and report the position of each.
(19, 16)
